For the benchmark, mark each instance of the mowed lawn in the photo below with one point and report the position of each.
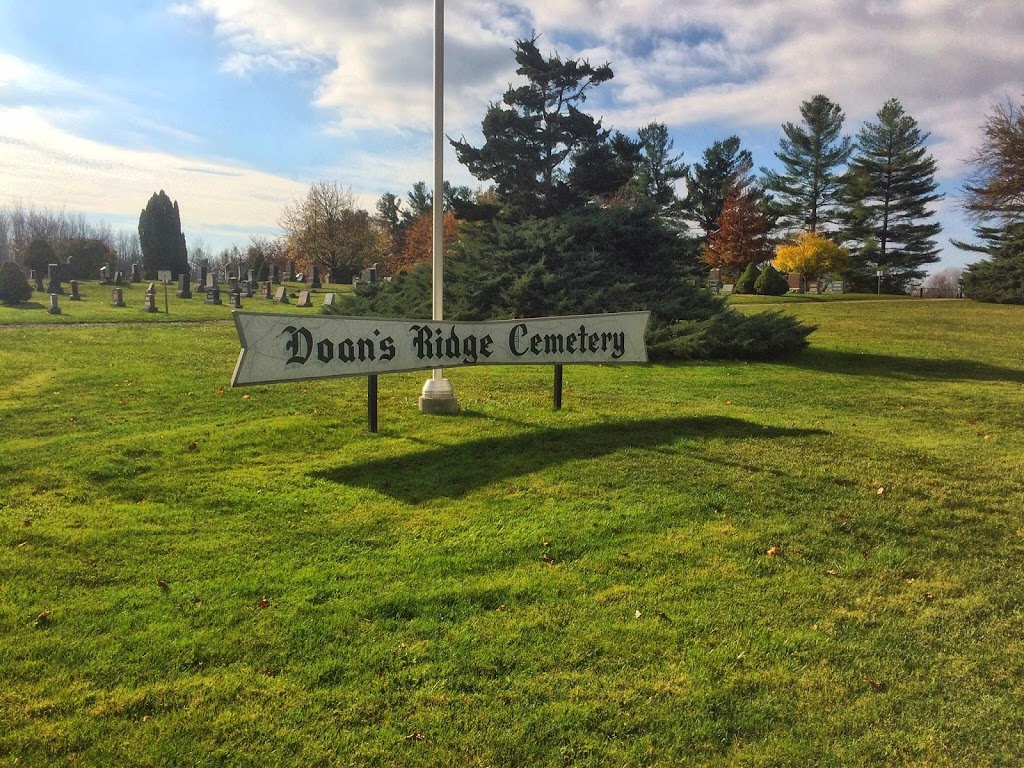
(818, 562)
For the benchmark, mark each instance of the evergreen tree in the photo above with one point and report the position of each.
(890, 184)
(808, 191)
(14, 288)
(163, 244)
(724, 166)
(999, 278)
(659, 169)
(530, 138)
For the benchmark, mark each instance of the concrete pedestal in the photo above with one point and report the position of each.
(438, 397)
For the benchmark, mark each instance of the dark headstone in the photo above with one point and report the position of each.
(74, 291)
(117, 297)
(274, 274)
(796, 282)
(37, 281)
(119, 278)
(289, 273)
(104, 276)
(235, 300)
(314, 277)
(213, 295)
(201, 284)
(184, 287)
(53, 279)
(136, 273)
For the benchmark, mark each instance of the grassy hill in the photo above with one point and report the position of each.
(810, 563)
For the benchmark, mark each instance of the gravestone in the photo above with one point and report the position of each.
(233, 284)
(727, 288)
(119, 278)
(213, 294)
(289, 272)
(53, 309)
(235, 300)
(201, 283)
(136, 273)
(184, 287)
(150, 301)
(796, 282)
(265, 289)
(314, 277)
(53, 279)
(281, 296)
(74, 291)
(37, 280)
(211, 281)
(117, 298)
(328, 299)
(304, 300)
(247, 288)
(813, 287)
(274, 274)
(715, 280)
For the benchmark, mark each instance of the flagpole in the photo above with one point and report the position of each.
(437, 395)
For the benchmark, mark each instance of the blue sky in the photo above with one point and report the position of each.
(234, 107)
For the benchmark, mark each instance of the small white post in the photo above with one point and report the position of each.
(437, 395)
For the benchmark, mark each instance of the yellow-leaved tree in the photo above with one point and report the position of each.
(812, 254)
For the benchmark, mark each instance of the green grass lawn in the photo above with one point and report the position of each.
(806, 563)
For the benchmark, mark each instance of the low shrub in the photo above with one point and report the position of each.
(14, 286)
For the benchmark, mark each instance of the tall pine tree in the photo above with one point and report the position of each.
(709, 182)
(163, 244)
(807, 193)
(890, 184)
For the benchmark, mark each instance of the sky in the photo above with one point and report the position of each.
(234, 107)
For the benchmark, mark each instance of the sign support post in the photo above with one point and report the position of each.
(558, 387)
(437, 395)
(371, 403)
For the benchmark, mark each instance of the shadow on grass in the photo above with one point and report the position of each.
(891, 366)
(25, 305)
(454, 471)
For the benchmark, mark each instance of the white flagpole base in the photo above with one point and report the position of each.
(438, 397)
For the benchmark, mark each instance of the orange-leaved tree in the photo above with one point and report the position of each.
(812, 254)
(742, 234)
(419, 241)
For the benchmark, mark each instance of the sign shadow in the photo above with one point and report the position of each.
(453, 471)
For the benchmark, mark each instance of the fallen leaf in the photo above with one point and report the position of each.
(122, 402)
(219, 391)
(832, 571)
(638, 614)
(245, 397)
(876, 684)
(146, 718)
(501, 608)
(728, 402)
(164, 585)
(546, 544)
(774, 551)
(415, 736)
(547, 559)
(263, 603)
(23, 545)
(193, 446)
(929, 596)
(42, 620)
(880, 491)
(27, 523)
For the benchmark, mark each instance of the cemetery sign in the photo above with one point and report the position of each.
(279, 348)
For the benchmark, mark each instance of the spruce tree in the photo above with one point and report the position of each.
(725, 166)
(807, 193)
(890, 184)
(161, 239)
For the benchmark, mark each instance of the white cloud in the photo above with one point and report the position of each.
(46, 164)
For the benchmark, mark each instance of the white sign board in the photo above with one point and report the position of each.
(277, 348)
(164, 276)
